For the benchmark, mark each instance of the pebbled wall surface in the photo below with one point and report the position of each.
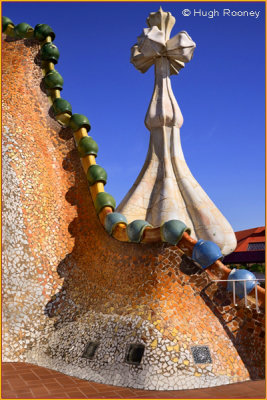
(67, 283)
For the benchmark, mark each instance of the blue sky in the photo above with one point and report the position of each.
(221, 92)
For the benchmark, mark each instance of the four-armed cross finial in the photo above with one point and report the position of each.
(154, 46)
(165, 188)
(155, 42)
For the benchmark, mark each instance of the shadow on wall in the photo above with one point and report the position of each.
(100, 272)
(244, 326)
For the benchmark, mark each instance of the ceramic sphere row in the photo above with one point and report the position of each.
(49, 53)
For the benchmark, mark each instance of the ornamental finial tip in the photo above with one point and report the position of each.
(163, 20)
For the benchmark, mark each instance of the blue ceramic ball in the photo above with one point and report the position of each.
(206, 253)
(250, 278)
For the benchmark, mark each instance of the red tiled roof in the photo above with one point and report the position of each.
(249, 236)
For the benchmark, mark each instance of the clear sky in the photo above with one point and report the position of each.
(221, 92)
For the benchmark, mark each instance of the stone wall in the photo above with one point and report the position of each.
(66, 283)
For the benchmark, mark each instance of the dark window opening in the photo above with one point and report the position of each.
(90, 350)
(201, 354)
(135, 353)
(256, 246)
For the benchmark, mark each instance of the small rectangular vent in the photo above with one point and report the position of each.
(135, 354)
(90, 350)
(201, 354)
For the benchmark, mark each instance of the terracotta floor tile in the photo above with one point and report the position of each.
(89, 392)
(22, 384)
(58, 393)
(104, 388)
(9, 395)
(125, 393)
(119, 388)
(94, 397)
(39, 390)
(22, 390)
(75, 394)
(45, 381)
(5, 386)
(140, 392)
(97, 395)
(44, 375)
(146, 396)
(8, 373)
(65, 384)
(21, 367)
(65, 379)
(21, 394)
(9, 376)
(105, 396)
(16, 383)
(54, 387)
(8, 367)
(34, 384)
(85, 385)
(29, 377)
(99, 387)
(137, 392)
